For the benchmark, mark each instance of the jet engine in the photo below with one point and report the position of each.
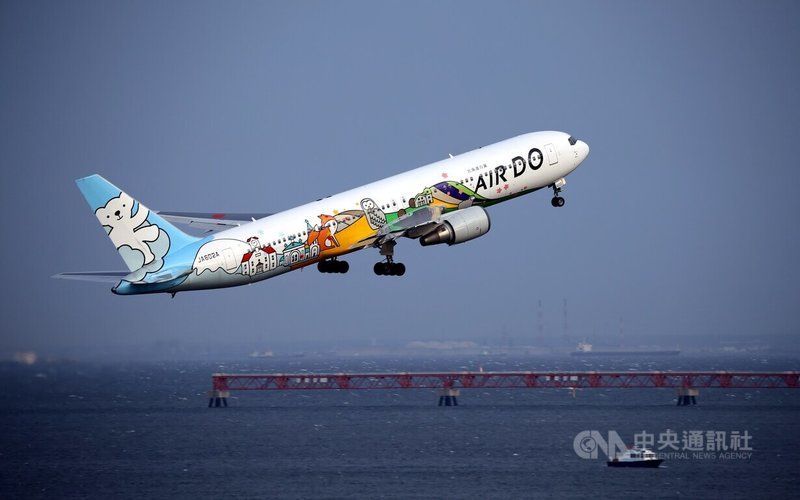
(458, 227)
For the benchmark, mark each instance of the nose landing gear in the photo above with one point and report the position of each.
(557, 200)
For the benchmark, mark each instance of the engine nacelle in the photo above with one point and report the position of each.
(458, 227)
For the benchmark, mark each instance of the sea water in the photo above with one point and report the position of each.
(90, 430)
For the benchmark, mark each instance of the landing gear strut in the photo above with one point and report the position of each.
(389, 267)
(333, 266)
(557, 200)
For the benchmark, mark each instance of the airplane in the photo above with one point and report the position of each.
(440, 203)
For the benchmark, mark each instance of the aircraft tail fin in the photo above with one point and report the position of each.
(142, 238)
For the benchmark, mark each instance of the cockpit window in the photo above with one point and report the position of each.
(572, 141)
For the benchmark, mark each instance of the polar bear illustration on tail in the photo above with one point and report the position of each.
(126, 228)
(142, 237)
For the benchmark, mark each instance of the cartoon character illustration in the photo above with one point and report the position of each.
(126, 228)
(259, 259)
(323, 234)
(375, 216)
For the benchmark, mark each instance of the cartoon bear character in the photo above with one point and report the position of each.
(375, 216)
(126, 228)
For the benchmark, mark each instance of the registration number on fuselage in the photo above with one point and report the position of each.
(207, 257)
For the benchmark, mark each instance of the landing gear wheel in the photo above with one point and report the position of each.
(333, 266)
(389, 269)
(557, 200)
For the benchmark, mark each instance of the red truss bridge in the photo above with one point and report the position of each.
(687, 383)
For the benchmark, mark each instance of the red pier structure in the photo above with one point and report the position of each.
(449, 383)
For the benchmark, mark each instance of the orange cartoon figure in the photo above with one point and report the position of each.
(324, 234)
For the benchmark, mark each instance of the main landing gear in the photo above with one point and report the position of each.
(333, 266)
(557, 200)
(390, 267)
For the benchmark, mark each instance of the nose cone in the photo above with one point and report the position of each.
(581, 152)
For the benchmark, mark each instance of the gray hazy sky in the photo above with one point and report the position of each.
(682, 220)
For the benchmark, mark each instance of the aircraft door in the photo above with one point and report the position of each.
(230, 260)
(552, 154)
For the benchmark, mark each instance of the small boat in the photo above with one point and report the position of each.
(636, 457)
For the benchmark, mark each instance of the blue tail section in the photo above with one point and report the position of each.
(142, 238)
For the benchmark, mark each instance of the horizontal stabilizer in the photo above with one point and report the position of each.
(101, 276)
(159, 277)
(211, 221)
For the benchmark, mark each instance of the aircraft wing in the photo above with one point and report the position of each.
(212, 221)
(412, 225)
(101, 276)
